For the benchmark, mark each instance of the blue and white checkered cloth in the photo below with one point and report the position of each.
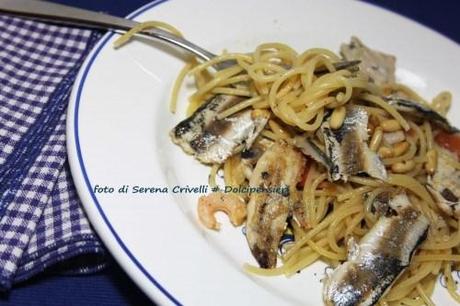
(41, 220)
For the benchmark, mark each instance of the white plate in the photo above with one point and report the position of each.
(118, 125)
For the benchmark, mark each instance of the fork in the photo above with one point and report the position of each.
(63, 14)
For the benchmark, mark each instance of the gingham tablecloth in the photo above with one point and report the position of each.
(41, 220)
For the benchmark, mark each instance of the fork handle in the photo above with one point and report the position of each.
(58, 13)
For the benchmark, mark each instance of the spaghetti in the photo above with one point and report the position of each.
(301, 90)
(278, 79)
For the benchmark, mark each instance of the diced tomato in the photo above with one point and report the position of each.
(304, 175)
(449, 141)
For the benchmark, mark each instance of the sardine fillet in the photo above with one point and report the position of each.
(381, 256)
(444, 184)
(380, 67)
(279, 167)
(212, 140)
(347, 149)
(422, 112)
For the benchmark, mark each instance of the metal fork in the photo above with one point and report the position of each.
(63, 14)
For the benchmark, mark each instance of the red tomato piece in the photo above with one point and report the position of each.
(449, 141)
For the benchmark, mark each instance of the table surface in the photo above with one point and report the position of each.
(113, 286)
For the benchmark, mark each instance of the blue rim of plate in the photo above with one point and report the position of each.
(79, 87)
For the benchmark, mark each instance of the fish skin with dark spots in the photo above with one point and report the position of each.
(280, 165)
(212, 140)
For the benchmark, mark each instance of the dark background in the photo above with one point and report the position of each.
(113, 287)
